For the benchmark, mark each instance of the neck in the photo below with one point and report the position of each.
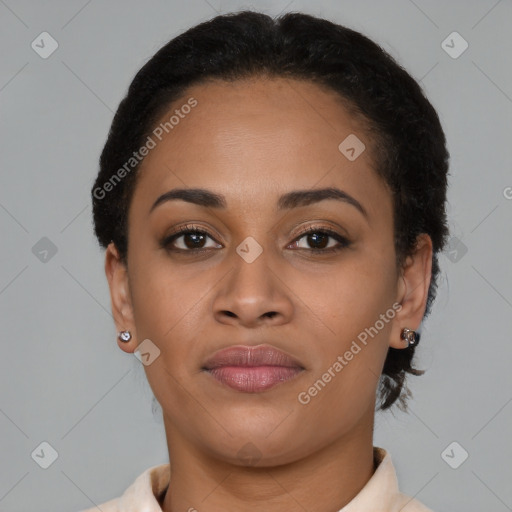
(324, 480)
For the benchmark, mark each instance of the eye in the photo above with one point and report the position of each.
(192, 240)
(319, 238)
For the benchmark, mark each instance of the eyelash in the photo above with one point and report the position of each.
(343, 241)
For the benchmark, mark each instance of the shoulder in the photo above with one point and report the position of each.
(385, 475)
(142, 494)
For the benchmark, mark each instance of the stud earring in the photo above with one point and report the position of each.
(124, 336)
(412, 337)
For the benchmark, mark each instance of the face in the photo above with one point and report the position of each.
(251, 276)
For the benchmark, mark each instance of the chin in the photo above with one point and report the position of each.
(256, 442)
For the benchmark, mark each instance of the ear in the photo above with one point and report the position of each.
(412, 294)
(117, 276)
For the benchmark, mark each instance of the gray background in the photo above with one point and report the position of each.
(63, 379)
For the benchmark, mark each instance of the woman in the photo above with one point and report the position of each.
(271, 198)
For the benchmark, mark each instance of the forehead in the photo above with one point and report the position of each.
(255, 139)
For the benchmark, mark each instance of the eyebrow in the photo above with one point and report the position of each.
(294, 199)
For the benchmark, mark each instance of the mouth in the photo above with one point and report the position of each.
(252, 369)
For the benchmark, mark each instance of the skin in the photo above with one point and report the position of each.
(252, 141)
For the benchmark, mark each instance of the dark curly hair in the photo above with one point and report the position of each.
(406, 134)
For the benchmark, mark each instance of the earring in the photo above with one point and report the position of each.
(412, 337)
(124, 336)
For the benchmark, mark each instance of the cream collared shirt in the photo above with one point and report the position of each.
(380, 494)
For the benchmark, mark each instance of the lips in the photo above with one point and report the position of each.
(242, 355)
(252, 369)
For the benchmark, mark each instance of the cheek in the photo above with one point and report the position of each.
(352, 307)
(172, 307)
(167, 310)
(351, 295)
(352, 349)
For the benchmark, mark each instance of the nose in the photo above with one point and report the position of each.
(253, 293)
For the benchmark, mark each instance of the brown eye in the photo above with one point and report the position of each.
(191, 240)
(318, 240)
